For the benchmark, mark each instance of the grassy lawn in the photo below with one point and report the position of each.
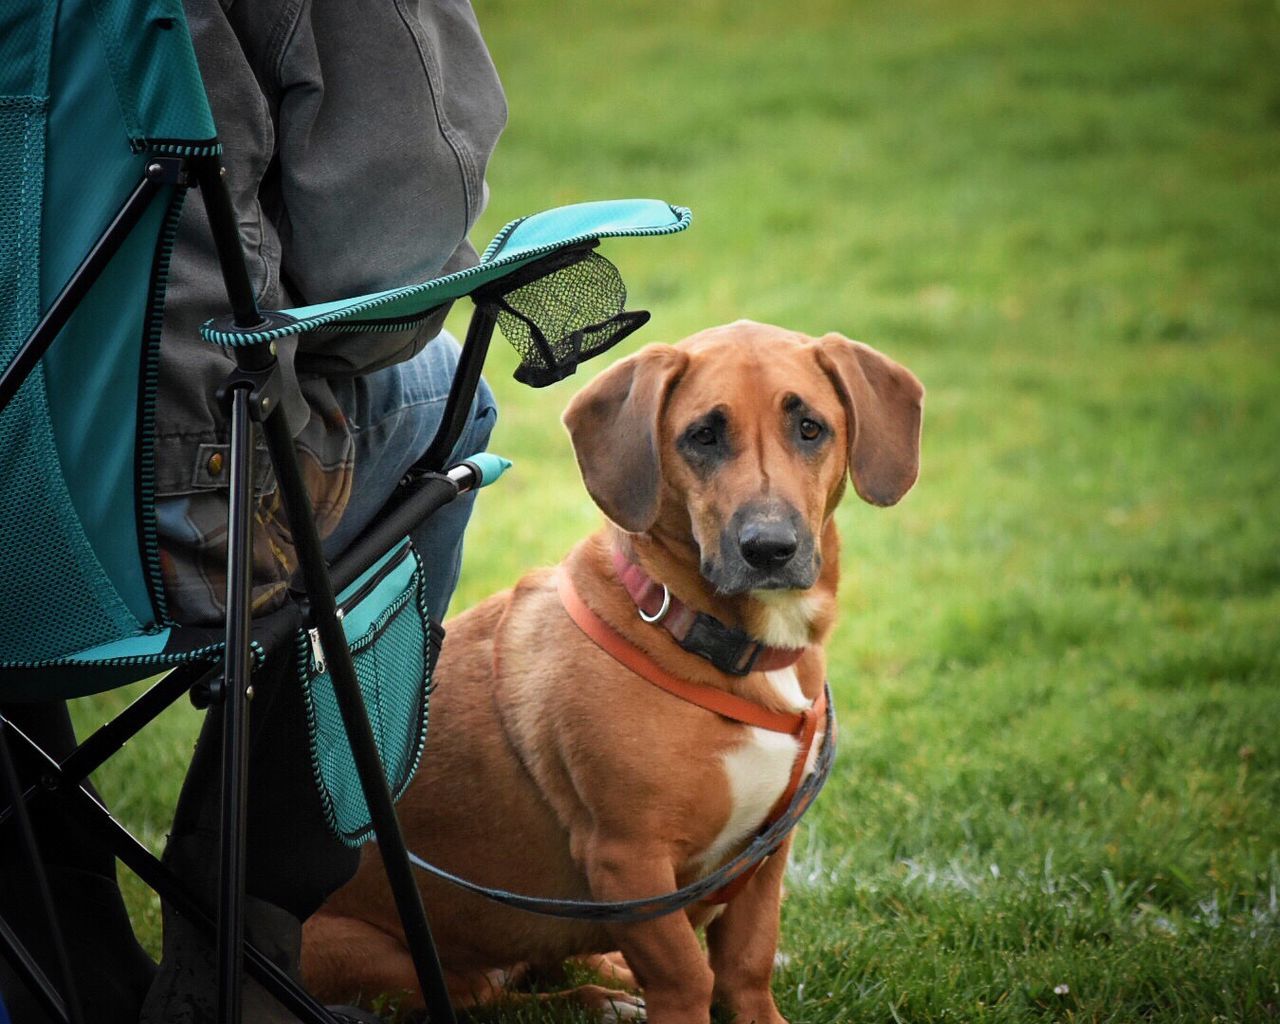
(1058, 792)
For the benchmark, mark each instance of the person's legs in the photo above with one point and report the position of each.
(293, 862)
(394, 414)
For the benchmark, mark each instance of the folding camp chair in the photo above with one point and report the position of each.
(104, 128)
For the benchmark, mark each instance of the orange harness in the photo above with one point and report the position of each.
(803, 725)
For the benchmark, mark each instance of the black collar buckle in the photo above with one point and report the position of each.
(730, 650)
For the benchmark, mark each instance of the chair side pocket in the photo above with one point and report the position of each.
(394, 645)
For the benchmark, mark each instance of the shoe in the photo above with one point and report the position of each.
(185, 988)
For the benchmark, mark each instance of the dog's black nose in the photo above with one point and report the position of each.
(768, 545)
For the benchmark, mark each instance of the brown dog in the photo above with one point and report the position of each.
(553, 770)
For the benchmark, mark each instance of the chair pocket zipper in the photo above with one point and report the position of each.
(366, 588)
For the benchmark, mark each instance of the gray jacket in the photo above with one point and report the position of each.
(356, 135)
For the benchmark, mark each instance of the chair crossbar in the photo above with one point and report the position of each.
(26, 967)
(88, 814)
(111, 737)
(66, 1005)
(90, 268)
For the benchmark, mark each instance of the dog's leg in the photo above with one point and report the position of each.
(664, 953)
(611, 967)
(347, 960)
(607, 1000)
(482, 988)
(611, 1005)
(743, 941)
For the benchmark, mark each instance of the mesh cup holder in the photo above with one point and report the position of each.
(561, 311)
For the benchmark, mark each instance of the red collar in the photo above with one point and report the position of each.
(728, 649)
(803, 725)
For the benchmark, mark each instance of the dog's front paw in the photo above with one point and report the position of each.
(611, 968)
(612, 1005)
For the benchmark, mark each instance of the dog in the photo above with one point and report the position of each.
(553, 770)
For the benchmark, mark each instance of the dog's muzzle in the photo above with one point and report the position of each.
(763, 547)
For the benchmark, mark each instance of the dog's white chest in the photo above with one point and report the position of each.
(757, 771)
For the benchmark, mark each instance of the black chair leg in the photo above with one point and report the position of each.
(64, 1006)
(373, 780)
(94, 824)
(257, 366)
(234, 693)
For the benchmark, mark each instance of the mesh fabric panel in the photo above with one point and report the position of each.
(393, 667)
(21, 187)
(561, 319)
(153, 68)
(25, 39)
(54, 597)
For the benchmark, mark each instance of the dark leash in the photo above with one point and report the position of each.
(763, 845)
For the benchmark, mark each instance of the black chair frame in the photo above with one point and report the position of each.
(251, 397)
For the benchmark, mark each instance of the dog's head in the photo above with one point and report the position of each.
(741, 437)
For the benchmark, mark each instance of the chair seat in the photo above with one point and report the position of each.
(135, 656)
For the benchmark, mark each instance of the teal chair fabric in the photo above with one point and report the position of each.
(90, 90)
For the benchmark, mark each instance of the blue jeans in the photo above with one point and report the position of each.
(394, 414)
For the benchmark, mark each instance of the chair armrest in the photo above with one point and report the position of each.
(517, 244)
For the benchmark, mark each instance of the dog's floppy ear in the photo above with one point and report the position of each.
(883, 402)
(613, 423)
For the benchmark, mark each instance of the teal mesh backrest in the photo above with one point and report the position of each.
(88, 90)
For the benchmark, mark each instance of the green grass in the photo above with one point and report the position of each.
(1057, 666)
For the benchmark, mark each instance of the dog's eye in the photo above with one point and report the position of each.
(810, 430)
(704, 435)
